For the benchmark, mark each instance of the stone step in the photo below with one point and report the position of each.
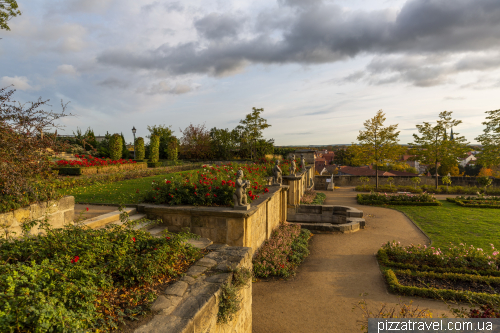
(104, 219)
(329, 228)
(131, 218)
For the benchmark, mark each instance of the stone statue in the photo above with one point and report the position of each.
(277, 173)
(302, 163)
(293, 166)
(240, 196)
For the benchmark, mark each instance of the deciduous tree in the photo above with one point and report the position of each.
(25, 144)
(490, 140)
(8, 10)
(195, 142)
(434, 148)
(377, 144)
(254, 124)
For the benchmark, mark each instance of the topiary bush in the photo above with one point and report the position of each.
(139, 149)
(115, 146)
(154, 149)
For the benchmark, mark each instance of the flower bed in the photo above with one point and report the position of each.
(388, 189)
(283, 252)
(423, 199)
(84, 279)
(312, 198)
(483, 202)
(212, 186)
(459, 273)
(91, 165)
(90, 161)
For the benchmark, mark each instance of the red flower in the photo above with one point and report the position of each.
(215, 195)
(195, 193)
(75, 259)
(87, 209)
(168, 238)
(266, 190)
(133, 238)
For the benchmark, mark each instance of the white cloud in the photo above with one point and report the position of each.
(163, 88)
(66, 70)
(19, 82)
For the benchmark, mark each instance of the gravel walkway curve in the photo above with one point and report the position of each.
(340, 267)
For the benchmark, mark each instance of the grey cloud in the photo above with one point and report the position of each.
(217, 26)
(174, 7)
(112, 82)
(88, 6)
(319, 33)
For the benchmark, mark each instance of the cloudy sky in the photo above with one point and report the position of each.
(319, 68)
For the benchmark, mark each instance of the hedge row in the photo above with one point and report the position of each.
(478, 205)
(99, 169)
(445, 294)
(361, 201)
(384, 260)
(155, 164)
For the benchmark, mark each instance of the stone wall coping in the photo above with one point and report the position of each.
(190, 304)
(217, 211)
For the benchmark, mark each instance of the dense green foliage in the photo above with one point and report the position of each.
(139, 148)
(154, 149)
(115, 147)
(490, 140)
(283, 252)
(481, 202)
(375, 198)
(82, 279)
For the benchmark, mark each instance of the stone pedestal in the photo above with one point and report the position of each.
(244, 207)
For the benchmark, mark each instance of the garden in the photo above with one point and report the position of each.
(84, 279)
(477, 202)
(457, 273)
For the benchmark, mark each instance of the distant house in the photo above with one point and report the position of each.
(470, 159)
(319, 164)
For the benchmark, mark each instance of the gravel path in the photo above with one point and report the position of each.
(340, 267)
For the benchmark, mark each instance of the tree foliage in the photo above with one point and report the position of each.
(25, 145)
(224, 143)
(434, 147)
(490, 140)
(251, 131)
(166, 136)
(377, 144)
(115, 147)
(195, 142)
(8, 10)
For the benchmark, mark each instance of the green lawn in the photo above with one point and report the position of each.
(122, 192)
(451, 223)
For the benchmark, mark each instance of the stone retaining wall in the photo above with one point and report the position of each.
(224, 225)
(192, 303)
(59, 213)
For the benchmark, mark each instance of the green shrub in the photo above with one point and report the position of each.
(76, 279)
(139, 148)
(283, 252)
(155, 164)
(154, 148)
(481, 202)
(115, 147)
(375, 198)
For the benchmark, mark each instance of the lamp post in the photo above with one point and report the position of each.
(133, 132)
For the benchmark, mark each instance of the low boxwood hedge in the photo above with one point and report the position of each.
(466, 202)
(362, 201)
(75, 171)
(445, 294)
(385, 261)
(155, 164)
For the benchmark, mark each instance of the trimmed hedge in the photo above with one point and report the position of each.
(446, 294)
(384, 260)
(459, 202)
(155, 164)
(99, 169)
(115, 146)
(154, 148)
(139, 149)
(361, 201)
